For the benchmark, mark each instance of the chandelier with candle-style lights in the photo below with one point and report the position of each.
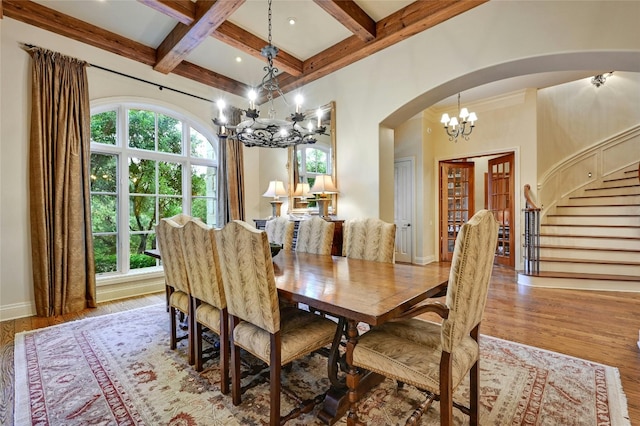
(270, 132)
(463, 128)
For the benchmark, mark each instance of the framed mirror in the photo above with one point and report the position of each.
(306, 162)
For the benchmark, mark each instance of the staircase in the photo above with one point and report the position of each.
(591, 239)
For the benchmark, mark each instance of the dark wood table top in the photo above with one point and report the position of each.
(360, 290)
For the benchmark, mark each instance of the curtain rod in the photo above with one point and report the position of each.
(159, 86)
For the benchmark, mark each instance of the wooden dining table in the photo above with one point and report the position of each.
(354, 291)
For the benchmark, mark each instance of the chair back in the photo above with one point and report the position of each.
(168, 233)
(280, 231)
(469, 277)
(315, 236)
(369, 239)
(247, 275)
(201, 261)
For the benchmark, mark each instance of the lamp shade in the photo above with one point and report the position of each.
(275, 189)
(323, 185)
(302, 190)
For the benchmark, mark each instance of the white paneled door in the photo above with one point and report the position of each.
(403, 211)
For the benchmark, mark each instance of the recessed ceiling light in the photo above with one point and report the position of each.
(291, 21)
(238, 59)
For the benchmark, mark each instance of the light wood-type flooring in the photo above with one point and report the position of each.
(598, 326)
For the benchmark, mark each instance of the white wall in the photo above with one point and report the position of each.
(577, 115)
(386, 88)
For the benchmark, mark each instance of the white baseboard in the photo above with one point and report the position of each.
(424, 260)
(17, 310)
(104, 293)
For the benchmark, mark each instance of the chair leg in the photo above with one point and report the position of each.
(191, 320)
(197, 343)
(224, 352)
(235, 364)
(446, 392)
(474, 391)
(474, 384)
(274, 378)
(172, 319)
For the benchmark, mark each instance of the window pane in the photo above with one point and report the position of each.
(169, 135)
(142, 213)
(200, 146)
(203, 181)
(103, 173)
(104, 216)
(170, 178)
(142, 129)
(105, 251)
(205, 209)
(142, 176)
(169, 206)
(316, 161)
(103, 128)
(140, 243)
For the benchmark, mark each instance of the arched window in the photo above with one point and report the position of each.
(147, 163)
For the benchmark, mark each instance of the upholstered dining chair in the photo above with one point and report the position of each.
(280, 231)
(209, 302)
(369, 239)
(315, 235)
(168, 233)
(257, 324)
(437, 357)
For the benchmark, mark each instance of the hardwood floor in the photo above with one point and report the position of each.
(599, 326)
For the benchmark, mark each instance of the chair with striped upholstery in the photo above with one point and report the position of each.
(168, 233)
(315, 236)
(435, 357)
(257, 323)
(369, 239)
(207, 292)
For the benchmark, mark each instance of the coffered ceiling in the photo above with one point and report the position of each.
(218, 42)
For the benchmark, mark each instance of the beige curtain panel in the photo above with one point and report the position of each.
(232, 174)
(60, 205)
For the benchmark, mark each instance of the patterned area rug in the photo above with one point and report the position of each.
(118, 370)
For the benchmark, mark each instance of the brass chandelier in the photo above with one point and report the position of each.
(463, 128)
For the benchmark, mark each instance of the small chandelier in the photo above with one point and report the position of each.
(598, 80)
(462, 129)
(270, 132)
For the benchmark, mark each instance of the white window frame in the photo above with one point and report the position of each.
(123, 152)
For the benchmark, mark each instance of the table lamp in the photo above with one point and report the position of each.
(275, 190)
(302, 192)
(323, 186)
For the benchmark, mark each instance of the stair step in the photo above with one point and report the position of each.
(614, 190)
(592, 220)
(620, 179)
(589, 253)
(599, 209)
(592, 230)
(598, 242)
(598, 262)
(606, 199)
(604, 277)
(583, 266)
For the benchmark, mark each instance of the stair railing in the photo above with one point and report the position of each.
(531, 234)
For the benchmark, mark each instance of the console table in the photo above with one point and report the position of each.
(336, 248)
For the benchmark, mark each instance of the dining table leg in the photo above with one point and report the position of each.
(352, 374)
